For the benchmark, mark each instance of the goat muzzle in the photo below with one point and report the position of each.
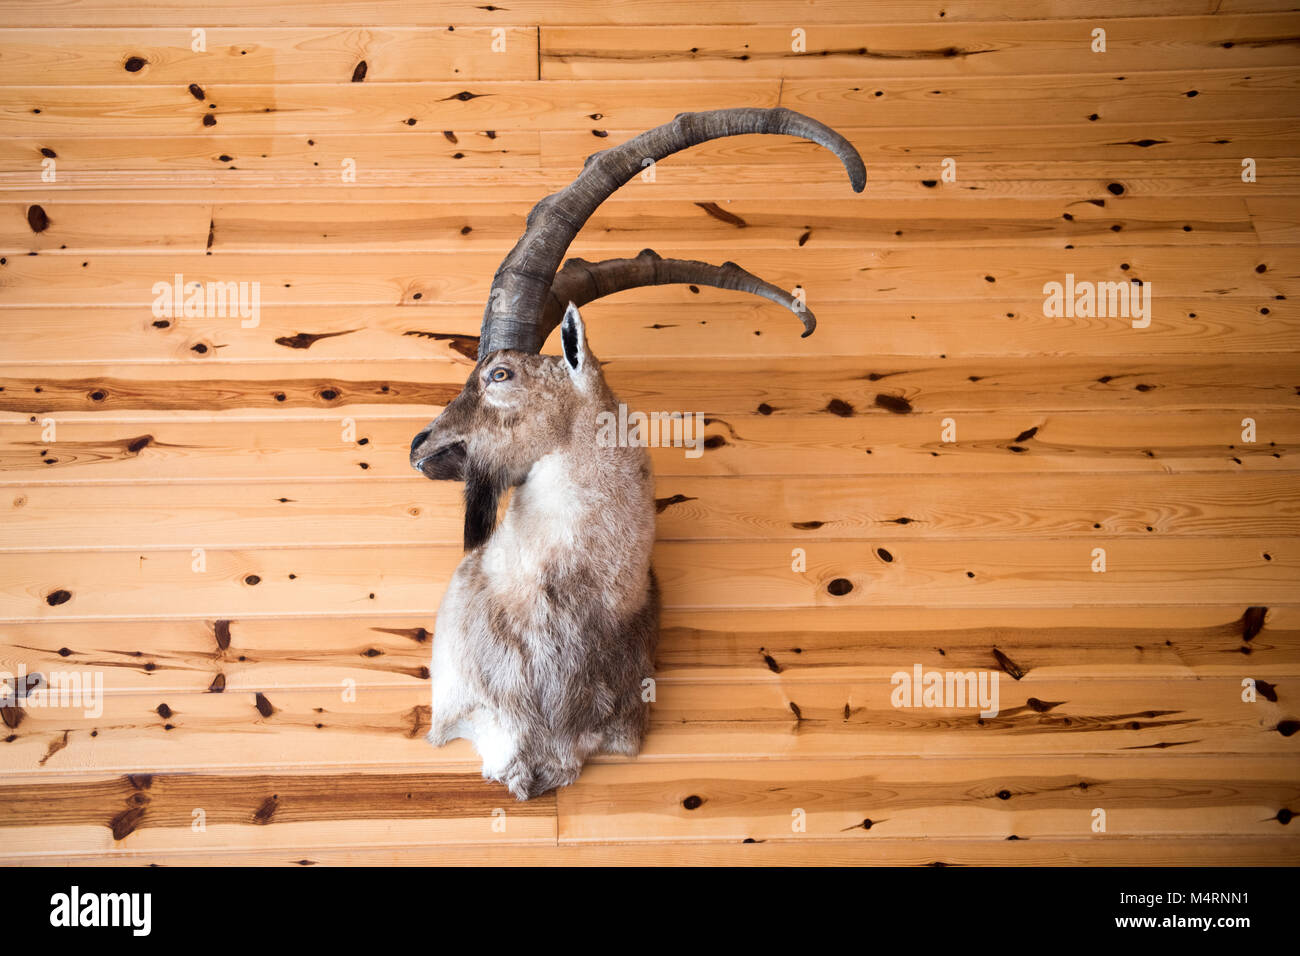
(444, 464)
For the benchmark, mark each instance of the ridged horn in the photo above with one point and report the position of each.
(581, 282)
(512, 318)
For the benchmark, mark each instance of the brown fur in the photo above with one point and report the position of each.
(549, 625)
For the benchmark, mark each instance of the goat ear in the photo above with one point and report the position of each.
(573, 338)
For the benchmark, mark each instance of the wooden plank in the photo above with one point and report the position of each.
(859, 721)
(741, 724)
(843, 644)
(891, 153)
(164, 447)
(309, 109)
(1251, 6)
(622, 328)
(324, 555)
(1055, 643)
(912, 273)
(129, 57)
(632, 104)
(983, 384)
(1126, 442)
(1275, 219)
(143, 812)
(981, 573)
(246, 13)
(318, 514)
(617, 227)
(1039, 98)
(885, 572)
(809, 180)
(81, 228)
(929, 798)
(960, 49)
(807, 510)
(841, 389)
(196, 656)
(330, 729)
(233, 450)
(266, 388)
(817, 509)
(1016, 146)
(318, 155)
(1119, 851)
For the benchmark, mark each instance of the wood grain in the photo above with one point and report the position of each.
(556, 12)
(216, 529)
(973, 572)
(1148, 851)
(152, 812)
(157, 110)
(374, 728)
(62, 517)
(170, 446)
(703, 646)
(840, 389)
(879, 50)
(620, 226)
(1015, 151)
(922, 798)
(384, 278)
(95, 57)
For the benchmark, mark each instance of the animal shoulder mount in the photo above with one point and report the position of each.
(546, 634)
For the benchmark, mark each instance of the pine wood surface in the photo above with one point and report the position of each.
(219, 523)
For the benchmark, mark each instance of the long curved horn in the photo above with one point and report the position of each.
(513, 314)
(581, 282)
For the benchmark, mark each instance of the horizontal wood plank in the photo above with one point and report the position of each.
(1022, 148)
(840, 389)
(323, 182)
(620, 328)
(127, 57)
(216, 527)
(880, 50)
(134, 158)
(738, 723)
(630, 104)
(928, 798)
(886, 572)
(167, 447)
(388, 278)
(289, 227)
(809, 509)
(552, 12)
(145, 812)
(891, 152)
(801, 645)
(1197, 851)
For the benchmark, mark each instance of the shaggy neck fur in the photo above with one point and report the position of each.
(578, 510)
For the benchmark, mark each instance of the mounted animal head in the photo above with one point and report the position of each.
(516, 407)
(517, 404)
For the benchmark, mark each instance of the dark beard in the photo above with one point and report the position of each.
(483, 488)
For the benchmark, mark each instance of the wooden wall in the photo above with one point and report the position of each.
(221, 521)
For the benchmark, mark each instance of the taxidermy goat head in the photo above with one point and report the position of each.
(546, 635)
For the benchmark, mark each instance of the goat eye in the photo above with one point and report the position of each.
(500, 374)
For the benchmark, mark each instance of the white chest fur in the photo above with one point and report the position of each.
(540, 525)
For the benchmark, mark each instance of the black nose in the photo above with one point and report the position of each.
(418, 439)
